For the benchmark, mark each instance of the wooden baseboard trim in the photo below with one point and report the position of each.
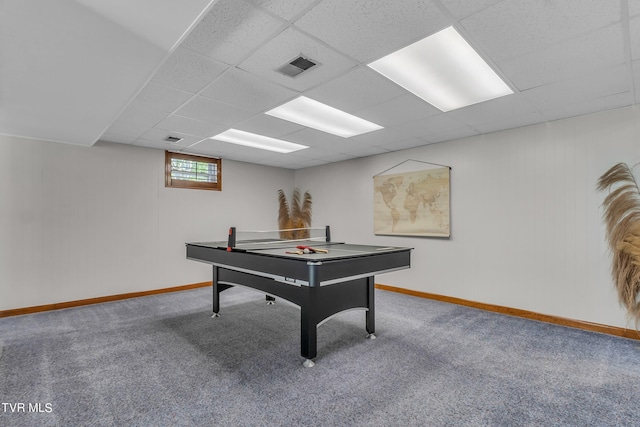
(578, 324)
(98, 300)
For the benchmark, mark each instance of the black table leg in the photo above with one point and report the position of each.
(216, 293)
(308, 326)
(371, 310)
(309, 316)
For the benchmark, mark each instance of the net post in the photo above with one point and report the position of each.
(231, 242)
(327, 233)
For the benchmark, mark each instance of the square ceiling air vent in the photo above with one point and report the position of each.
(173, 139)
(296, 66)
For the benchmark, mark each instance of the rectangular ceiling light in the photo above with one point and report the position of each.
(307, 112)
(249, 139)
(444, 70)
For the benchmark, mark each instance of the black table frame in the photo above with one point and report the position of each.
(320, 288)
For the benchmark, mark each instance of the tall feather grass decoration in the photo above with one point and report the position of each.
(296, 216)
(622, 219)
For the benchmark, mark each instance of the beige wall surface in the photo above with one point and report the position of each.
(83, 222)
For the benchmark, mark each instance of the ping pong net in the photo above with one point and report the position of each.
(273, 239)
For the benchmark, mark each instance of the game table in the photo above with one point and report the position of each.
(338, 277)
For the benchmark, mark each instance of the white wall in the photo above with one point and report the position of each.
(83, 222)
(526, 217)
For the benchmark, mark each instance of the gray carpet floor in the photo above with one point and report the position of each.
(161, 361)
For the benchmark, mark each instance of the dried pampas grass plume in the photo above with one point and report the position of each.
(298, 215)
(622, 219)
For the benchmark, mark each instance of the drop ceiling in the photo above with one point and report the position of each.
(136, 71)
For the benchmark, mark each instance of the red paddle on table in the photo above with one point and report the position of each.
(312, 250)
(302, 249)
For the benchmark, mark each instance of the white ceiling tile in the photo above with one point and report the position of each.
(46, 89)
(597, 49)
(362, 149)
(405, 108)
(275, 163)
(324, 154)
(318, 153)
(121, 139)
(513, 28)
(268, 125)
(463, 8)
(431, 128)
(368, 30)
(211, 147)
(127, 130)
(316, 138)
(305, 163)
(69, 67)
(134, 17)
(231, 30)
(595, 85)
(287, 46)
(352, 91)
(188, 71)
(247, 91)
(142, 113)
(161, 97)
(285, 9)
(288, 161)
(208, 110)
(154, 144)
(589, 106)
(157, 136)
(189, 126)
(155, 139)
(200, 146)
(380, 137)
(142, 118)
(441, 135)
(492, 111)
(509, 122)
(406, 143)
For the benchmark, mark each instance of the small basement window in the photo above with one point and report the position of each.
(189, 171)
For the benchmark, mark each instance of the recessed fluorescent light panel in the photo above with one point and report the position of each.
(307, 112)
(249, 139)
(444, 70)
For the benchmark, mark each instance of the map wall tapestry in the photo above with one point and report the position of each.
(412, 203)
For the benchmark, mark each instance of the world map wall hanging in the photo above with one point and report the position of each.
(412, 203)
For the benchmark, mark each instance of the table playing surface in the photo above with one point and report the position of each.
(336, 250)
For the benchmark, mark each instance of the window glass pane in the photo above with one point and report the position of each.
(190, 170)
